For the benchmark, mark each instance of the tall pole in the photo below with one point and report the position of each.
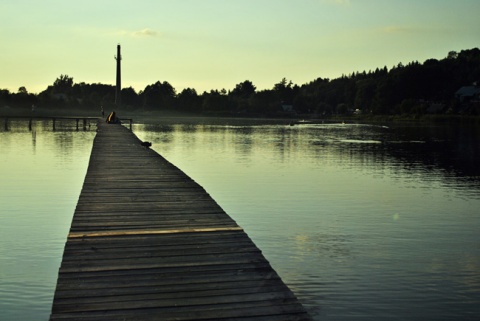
(118, 87)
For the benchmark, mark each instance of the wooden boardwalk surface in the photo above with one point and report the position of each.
(148, 243)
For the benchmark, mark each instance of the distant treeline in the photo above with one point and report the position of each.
(415, 89)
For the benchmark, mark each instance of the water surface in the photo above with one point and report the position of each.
(41, 174)
(362, 222)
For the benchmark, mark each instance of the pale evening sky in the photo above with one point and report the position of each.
(215, 44)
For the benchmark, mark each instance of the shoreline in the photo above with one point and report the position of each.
(149, 117)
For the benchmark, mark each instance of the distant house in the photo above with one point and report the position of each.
(435, 108)
(468, 94)
(288, 108)
(60, 96)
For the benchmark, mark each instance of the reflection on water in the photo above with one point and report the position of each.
(41, 176)
(362, 222)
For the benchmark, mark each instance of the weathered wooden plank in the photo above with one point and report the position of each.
(248, 311)
(175, 299)
(148, 243)
(127, 280)
(178, 215)
(150, 204)
(152, 232)
(187, 223)
(211, 274)
(162, 239)
(174, 293)
(145, 255)
(166, 261)
(169, 222)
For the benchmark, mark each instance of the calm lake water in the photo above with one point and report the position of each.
(362, 222)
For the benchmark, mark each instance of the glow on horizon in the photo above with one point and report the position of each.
(216, 44)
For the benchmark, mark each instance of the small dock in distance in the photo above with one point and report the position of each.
(148, 243)
(85, 120)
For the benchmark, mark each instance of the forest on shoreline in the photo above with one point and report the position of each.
(449, 86)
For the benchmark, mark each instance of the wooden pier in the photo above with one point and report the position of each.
(148, 243)
(85, 120)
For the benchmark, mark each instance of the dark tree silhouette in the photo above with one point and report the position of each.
(404, 89)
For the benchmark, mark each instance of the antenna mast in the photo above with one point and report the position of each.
(118, 87)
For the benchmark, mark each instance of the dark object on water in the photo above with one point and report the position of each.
(146, 144)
